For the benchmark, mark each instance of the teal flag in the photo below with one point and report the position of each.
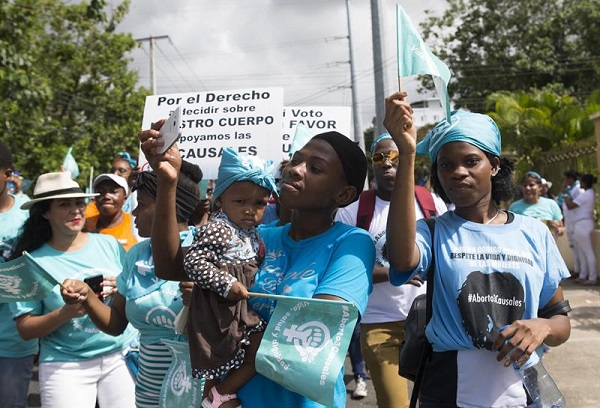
(179, 389)
(415, 58)
(23, 279)
(70, 165)
(305, 344)
(301, 137)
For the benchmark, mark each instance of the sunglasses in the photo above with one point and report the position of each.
(380, 158)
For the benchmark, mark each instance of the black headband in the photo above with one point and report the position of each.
(351, 156)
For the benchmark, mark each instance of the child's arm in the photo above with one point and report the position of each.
(202, 259)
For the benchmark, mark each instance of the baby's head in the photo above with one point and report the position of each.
(243, 188)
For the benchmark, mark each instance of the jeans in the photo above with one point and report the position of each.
(15, 374)
(356, 358)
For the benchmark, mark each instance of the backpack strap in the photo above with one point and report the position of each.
(427, 349)
(366, 208)
(426, 202)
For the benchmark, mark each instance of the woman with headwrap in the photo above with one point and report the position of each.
(492, 268)
(312, 256)
(534, 205)
(150, 304)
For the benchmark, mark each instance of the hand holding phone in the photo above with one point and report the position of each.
(94, 282)
(171, 130)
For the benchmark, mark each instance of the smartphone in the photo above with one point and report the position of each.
(94, 282)
(171, 130)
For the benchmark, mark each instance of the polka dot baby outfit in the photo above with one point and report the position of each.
(217, 328)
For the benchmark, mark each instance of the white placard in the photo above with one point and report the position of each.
(318, 119)
(247, 120)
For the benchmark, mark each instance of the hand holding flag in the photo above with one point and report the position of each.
(305, 344)
(415, 58)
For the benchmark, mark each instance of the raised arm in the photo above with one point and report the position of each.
(403, 253)
(166, 248)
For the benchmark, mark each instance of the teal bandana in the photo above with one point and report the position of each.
(474, 128)
(236, 167)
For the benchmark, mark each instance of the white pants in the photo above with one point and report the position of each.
(78, 383)
(570, 231)
(584, 250)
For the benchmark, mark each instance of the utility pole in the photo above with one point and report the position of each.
(378, 73)
(152, 41)
(358, 135)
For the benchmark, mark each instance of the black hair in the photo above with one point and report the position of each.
(35, 232)
(192, 175)
(6, 160)
(532, 175)
(589, 180)
(572, 174)
(503, 188)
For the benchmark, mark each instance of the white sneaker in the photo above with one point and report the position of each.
(361, 389)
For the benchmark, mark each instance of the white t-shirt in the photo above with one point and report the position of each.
(387, 303)
(586, 201)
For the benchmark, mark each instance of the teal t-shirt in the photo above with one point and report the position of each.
(338, 262)
(11, 344)
(78, 339)
(151, 303)
(544, 210)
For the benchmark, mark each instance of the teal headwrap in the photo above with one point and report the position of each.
(474, 128)
(381, 137)
(236, 167)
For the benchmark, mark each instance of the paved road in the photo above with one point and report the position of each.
(575, 366)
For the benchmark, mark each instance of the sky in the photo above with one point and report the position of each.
(298, 45)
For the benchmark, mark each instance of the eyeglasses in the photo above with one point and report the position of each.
(380, 158)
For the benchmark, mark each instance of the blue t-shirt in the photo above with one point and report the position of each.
(78, 339)
(151, 303)
(545, 209)
(11, 344)
(486, 277)
(338, 262)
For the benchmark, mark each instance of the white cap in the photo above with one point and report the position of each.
(121, 181)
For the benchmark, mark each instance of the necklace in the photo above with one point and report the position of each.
(493, 218)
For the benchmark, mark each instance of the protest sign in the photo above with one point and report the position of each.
(247, 120)
(316, 119)
(23, 279)
(305, 344)
(179, 389)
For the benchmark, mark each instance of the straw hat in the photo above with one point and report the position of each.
(50, 186)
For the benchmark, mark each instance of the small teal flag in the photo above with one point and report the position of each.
(70, 165)
(179, 389)
(23, 279)
(305, 344)
(301, 137)
(415, 58)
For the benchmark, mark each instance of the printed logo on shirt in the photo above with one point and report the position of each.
(487, 302)
(161, 316)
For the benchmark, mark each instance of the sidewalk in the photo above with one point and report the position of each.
(575, 365)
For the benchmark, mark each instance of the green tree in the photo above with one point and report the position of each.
(517, 45)
(65, 81)
(537, 121)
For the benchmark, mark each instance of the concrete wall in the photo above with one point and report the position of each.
(567, 254)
